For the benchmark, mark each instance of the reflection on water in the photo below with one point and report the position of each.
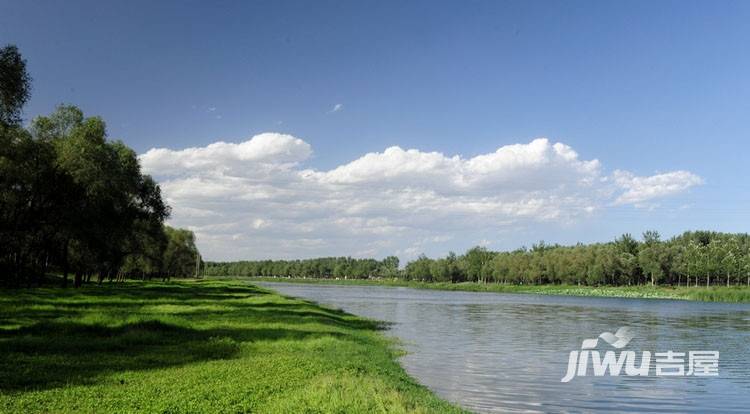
(507, 353)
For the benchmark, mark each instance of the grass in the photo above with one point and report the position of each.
(738, 294)
(202, 346)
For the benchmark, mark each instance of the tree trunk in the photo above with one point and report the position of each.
(65, 264)
(77, 280)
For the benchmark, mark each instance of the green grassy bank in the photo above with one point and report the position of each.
(208, 346)
(701, 293)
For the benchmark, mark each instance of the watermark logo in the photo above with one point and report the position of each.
(669, 363)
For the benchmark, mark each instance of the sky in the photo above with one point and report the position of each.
(282, 129)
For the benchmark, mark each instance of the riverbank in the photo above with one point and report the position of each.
(195, 346)
(734, 294)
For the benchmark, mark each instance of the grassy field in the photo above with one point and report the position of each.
(207, 346)
(701, 293)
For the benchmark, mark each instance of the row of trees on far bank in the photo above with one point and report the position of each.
(74, 202)
(324, 268)
(697, 258)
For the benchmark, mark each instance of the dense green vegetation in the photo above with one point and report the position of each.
(203, 346)
(700, 258)
(710, 294)
(327, 267)
(72, 201)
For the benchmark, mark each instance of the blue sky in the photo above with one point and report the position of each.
(644, 87)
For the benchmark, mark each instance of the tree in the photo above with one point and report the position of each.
(627, 244)
(651, 237)
(419, 269)
(181, 255)
(691, 260)
(623, 261)
(70, 199)
(389, 267)
(439, 270)
(745, 266)
(730, 263)
(28, 203)
(714, 253)
(476, 259)
(15, 85)
(649, 257)
(107, 200)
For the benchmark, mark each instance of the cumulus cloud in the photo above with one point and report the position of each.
(537, 165)
(268, 150)
(257, 199)
(643, 189)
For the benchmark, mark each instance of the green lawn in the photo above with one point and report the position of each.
(701, 293)
(207, 346)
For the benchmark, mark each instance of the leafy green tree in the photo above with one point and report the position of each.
(108, 201)
(745, 265)
(475, 260)
(627, 244)
(440, 271)
(624, 261)
(70, 199)
(389, 267)
(419, 269)
(181, 256)
(15, 85)
(649, 260)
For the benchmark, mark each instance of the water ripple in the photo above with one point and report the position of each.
(507, 353)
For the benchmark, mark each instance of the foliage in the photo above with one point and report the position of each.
(180, 255)
(15, 85)
(693, 258)
(73, 201)
(201, 346)
(712, 294)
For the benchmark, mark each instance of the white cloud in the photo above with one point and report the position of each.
(538, 165)
(268, 150)
(256, 199)
(259, 223)
(643, 189)
(336, 108)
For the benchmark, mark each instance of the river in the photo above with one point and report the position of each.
(492, 352)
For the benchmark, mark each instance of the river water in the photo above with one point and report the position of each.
(493, 352)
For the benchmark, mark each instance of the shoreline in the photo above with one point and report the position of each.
(732, 294)
(197, 346)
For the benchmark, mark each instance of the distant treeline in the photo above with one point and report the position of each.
(326, 267)
(73, 202)
(698, 258)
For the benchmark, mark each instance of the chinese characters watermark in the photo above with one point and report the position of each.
(669, 363)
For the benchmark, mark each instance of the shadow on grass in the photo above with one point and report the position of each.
(42, 345)
(153, 291)
(293, 313)
(55, 354)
